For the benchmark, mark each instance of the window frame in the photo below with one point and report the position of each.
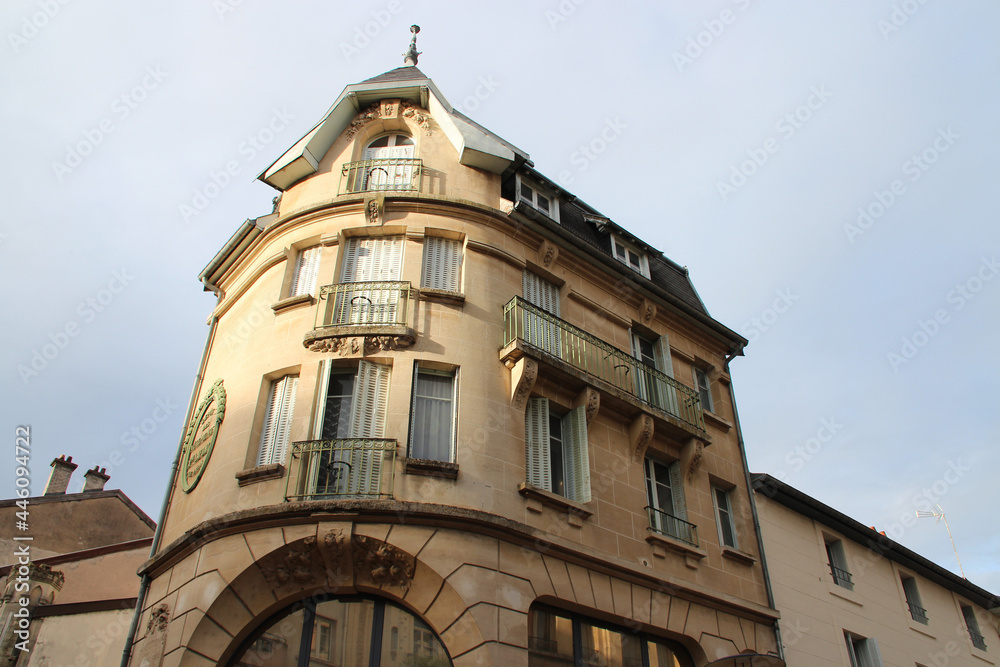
(306, 270)
(863, 651)
(674, 482)
(278, 432)
(704, 391)
(642, 265)
(837, 560)
(573, 444)
(662, 395)
(972, 625)
(911, 595)
(421, 369)
(536, 190)
(729, 518)
(451, 281)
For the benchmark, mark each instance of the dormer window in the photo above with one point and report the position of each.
(628, 254)
(387, 164)
(537, 198)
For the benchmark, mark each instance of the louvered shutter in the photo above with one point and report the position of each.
(536, 443)
(277, 420)
(540, 292)
(371, 395)
(306, 271)
(677, 491)
(870, 655)
(442, 263)
(537, 330)
(576, 456)
(665, 364)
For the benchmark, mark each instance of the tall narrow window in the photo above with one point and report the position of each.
(651, 387)
(277, 420)
(724, 517)
(838, 563)
(370, 291)
(306, 271)
(388, 164)
(667, 507)
(442, 263)
(556, 456)
(704, 387)
(541, 329)
(973, 625)
(917, 612)
(863, 651)
(432, 424)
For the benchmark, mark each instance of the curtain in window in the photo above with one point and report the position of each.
(433, 416)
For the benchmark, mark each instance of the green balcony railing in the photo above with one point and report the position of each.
(383, 175)
(341, 468)
(363, 304)
(574, 346)
(668, 524)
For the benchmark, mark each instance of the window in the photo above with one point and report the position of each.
(556, 457)
(370, 291)
(348, 458)
(388, 164)
(917, 612)
(442, 263)
(654, 352)
(432, 420)
(306, 271)
(838, 563)
(704, 388)
(277, 420)
(665, 495)
(349, 631)
(537, 198)
(540, 329)
(560, 638)
(724, 517)
(973, 625)
(863, 652)
(630, 256)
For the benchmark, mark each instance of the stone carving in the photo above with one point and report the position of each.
(389, 108)
(381, 562)
(362, 119)
(591, 399)
(300, 566)
(648, 311)
(641, 432)
(691, 457)
(549, 252)
(523, 377)
(412, 112)
(354, 345)
(159, 617)
(385, 343)
(374, 212)
(375, 111)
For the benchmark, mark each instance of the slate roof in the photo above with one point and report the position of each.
(407, 73)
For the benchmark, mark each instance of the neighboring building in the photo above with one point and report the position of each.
(450, 414)
(849, 595)
(81, 580)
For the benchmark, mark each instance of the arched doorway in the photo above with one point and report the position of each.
(388, 163)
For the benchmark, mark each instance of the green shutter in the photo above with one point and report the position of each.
(575, 455)
(677, 491)
(371, 395)
(536, 444)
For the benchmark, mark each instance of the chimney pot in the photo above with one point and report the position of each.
(95, 479)
(62, 470)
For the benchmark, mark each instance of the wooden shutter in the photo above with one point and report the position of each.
(870, 655)
(277, 420)
(677, 491)
(371, 395)
(576, 456)
(536, 443)
(442, 263)
(306, 271)
(540, 292)
(665, 363)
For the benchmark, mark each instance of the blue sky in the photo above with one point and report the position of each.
(826, 170)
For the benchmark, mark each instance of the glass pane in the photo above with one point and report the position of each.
(342, 634)
(610, 648)
(337, 416)
(661, 655)
(278, 646)
(381, 142)
(550, 639)
(406, 641)
(432, 417)
(543, 202)
(403, 140)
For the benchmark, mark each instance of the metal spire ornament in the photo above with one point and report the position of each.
(410, 57)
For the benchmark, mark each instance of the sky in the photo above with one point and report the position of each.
(826, 171)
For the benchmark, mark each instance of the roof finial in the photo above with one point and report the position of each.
(410, 57)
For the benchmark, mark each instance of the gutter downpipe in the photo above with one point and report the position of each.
(753, 504)
(168, 496)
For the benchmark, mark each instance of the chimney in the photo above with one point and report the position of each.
(62, 470)
(94, 480)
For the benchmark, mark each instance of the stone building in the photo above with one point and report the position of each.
(452, 415)
(77, 572)
(850, 595)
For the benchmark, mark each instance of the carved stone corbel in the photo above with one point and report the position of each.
(640, 432)
(374, 208)
(522, 380)
(591, 398)
(389, 109)
(647, 311)
(547, 254)
(691, 457)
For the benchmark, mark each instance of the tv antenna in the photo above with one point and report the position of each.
(938, 515)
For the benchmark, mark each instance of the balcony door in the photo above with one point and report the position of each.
(652, 387)
(540, 329)
(388, 163)
(374, 264)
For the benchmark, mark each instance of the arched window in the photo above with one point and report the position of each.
(388, 164)
(342, 631)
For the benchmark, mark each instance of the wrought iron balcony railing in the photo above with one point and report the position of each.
(384, 175)
(363, 304)
(668, 524)
(574, 346)
(341, 468)
(977, 640)
(917, 613)
(841, 577)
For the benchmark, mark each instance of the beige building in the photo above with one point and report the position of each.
(451, 415)
(76, 573)
(850, 596)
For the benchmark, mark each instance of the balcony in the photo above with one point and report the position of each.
(551, 337)
(917, 613)
(346, 468)
(841, 577)
(384, 175)
(668, 524)
(375, 311)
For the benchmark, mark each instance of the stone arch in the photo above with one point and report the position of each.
(335, 561)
